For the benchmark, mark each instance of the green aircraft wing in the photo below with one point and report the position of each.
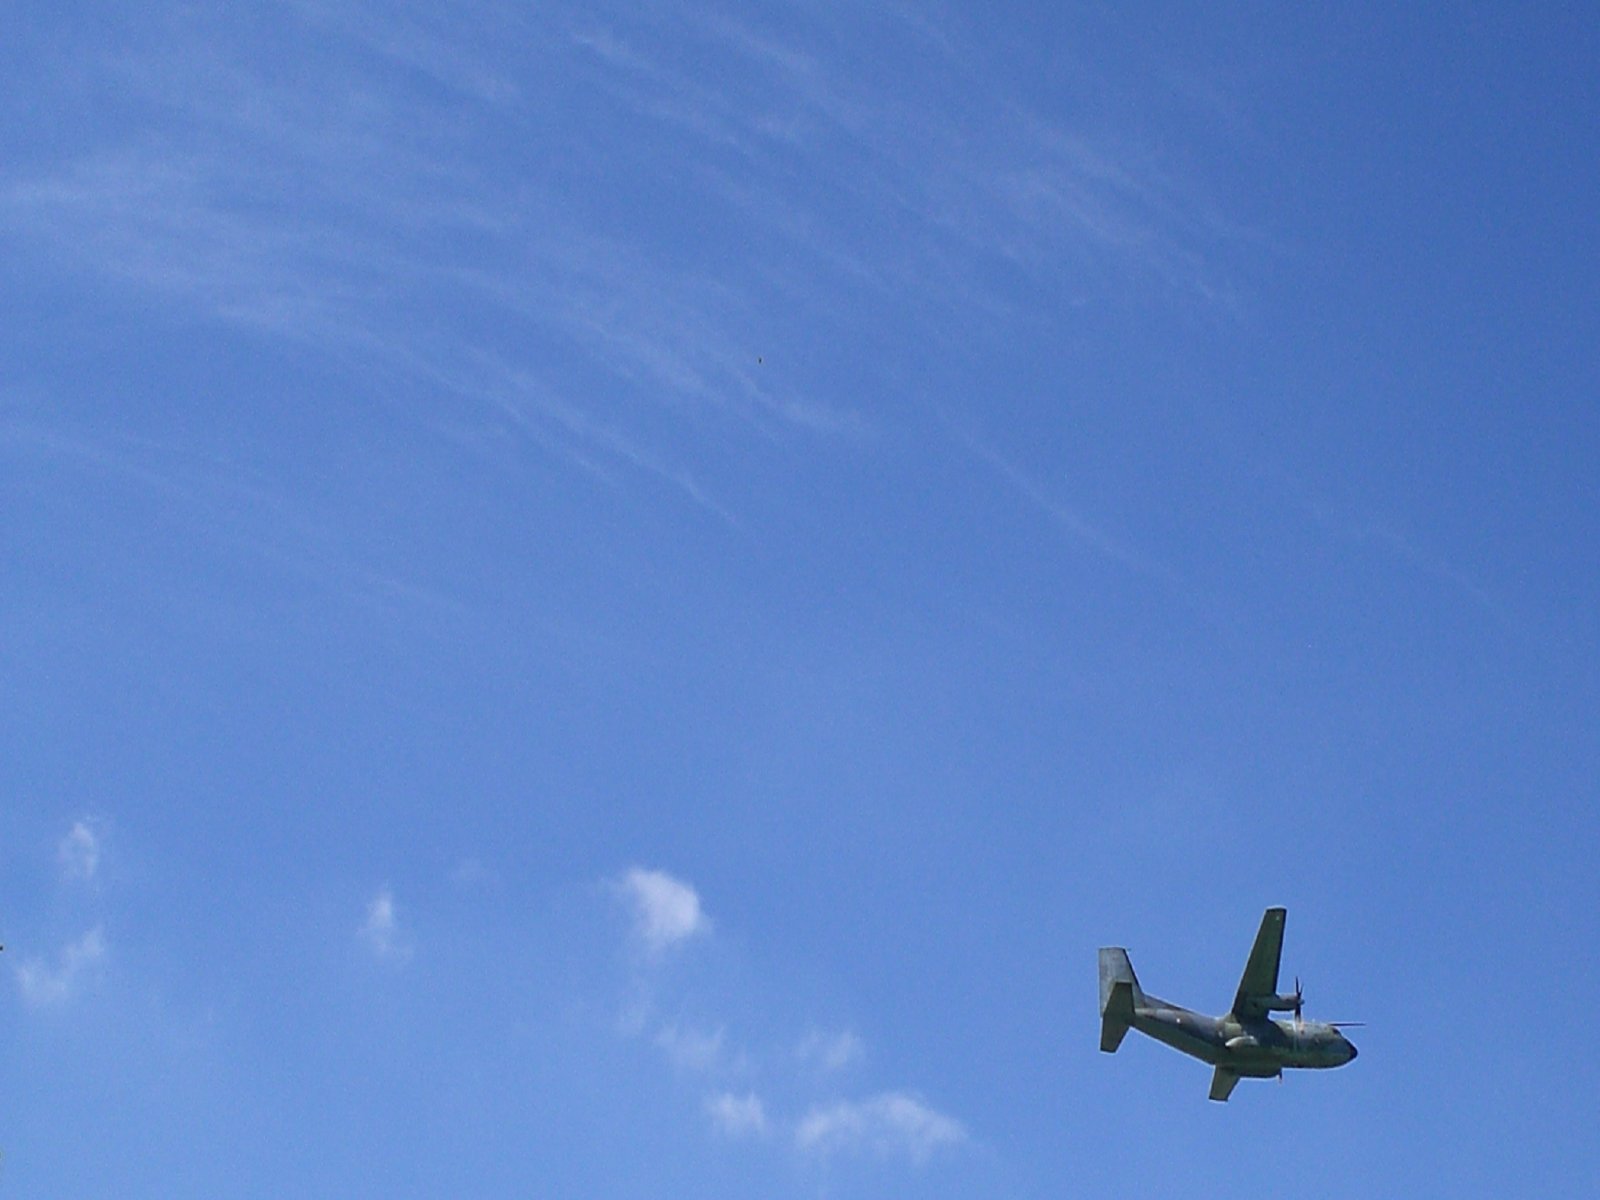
(1258, 990)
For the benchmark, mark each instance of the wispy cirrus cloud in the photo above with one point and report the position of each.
(974, 175)
(454, 50)
(1070, 520)
(1348, 525)
(1081, 530)
(307, 213)
(355, 211)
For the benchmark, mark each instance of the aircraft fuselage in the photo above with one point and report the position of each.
(1252, 1048)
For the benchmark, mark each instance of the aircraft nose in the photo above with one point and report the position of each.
(1350, 1046)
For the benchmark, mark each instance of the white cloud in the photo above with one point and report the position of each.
(692, 1049)
(381, 930)
(701, 1050)
(737, 1116)
(666, 910)
(830, 1052)
(43, 985)
(79, 852)
(471, 872)
(890, 1123)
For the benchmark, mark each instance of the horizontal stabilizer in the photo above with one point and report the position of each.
(1111, 1035)
(1118, 1015)
(1222, 1081)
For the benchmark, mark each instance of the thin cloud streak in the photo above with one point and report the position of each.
(337, 217)
(226, 503)
(1384, 534)
(1070, 521)
(347, 268)
(1031, 192)
(423, 38)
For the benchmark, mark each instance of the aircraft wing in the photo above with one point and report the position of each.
(1258, 990)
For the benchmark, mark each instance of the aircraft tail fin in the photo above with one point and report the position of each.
(1120, 994)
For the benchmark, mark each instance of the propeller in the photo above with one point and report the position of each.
(1299, 1005)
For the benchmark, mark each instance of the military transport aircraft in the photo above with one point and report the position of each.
(1246, 1041)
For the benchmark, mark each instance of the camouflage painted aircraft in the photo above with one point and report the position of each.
(1246, 1042)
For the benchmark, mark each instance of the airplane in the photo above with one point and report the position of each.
(1246, 1042)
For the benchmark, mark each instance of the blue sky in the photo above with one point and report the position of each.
(612, 600)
